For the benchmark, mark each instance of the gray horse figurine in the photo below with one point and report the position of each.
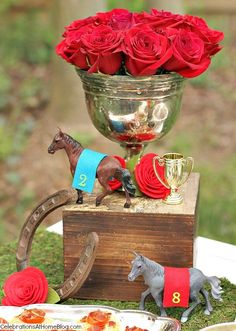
(153, 274)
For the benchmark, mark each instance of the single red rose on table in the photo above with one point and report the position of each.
(115, 183)
(146, 179)
(102, 48)
(145, 51)
(189, 58)
(25, 287)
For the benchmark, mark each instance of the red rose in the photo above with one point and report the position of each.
(162, 19)
(145, 50)
(117, 19)
(189, 58)
(25, 287)
(102, 47)
(115, 183)
(78, 24)
(199, 26)
(70, 47)
(146, 179)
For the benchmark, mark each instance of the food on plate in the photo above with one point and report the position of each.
(32, 316)
(99, 320)
(134, 328)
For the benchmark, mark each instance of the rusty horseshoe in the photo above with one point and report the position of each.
(74, 282)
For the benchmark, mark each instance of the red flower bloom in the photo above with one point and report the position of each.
(117, 19)
(146, 51)
(146, 179)
(140, 43)
(189, 58)
(115, 183)
(25, 287)
(102, 47)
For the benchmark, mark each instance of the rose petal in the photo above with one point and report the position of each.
(25, 287)
(147, 181)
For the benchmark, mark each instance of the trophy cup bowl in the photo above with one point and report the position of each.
(176, 171)
(132, 111)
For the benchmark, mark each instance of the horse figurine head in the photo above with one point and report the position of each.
(109, 167)
(60, 141)
(154, 277)
(138, 267)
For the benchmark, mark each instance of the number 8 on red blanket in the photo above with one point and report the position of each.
(177, 287)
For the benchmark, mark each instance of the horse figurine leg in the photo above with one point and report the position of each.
(158, 299)
(195, 302)
(208, 308)
(101, 196)
(79, 201)
(144, 296)
(128, 200)
(106, 189)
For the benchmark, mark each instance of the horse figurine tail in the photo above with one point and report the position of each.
(127, 181)
(216, 290)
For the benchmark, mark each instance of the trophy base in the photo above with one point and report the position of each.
(173, 199)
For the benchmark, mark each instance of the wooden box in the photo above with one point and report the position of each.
(160, 232)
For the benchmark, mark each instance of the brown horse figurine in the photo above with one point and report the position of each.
(108, 168)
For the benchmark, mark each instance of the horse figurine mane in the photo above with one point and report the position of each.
(108, 168)
(153, 274)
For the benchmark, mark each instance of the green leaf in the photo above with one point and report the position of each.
(53, 297)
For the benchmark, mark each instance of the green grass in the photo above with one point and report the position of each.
(47, 255)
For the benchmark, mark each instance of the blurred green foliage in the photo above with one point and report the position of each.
(27, 38)
(137, 5)
(26, 48)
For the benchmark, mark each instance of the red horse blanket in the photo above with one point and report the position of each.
(177, 287)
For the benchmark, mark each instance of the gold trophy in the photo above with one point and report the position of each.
(176, 171)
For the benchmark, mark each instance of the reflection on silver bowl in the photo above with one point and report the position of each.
(132, 110)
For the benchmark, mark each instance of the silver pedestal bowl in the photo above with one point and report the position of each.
(132, 111)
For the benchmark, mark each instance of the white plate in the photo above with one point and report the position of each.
(70, 314)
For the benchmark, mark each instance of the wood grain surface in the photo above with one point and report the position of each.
(160, 232)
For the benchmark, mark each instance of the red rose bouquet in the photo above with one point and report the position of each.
(140, 44)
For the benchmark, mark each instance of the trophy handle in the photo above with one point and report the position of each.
(189, 163)
(161, 163)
